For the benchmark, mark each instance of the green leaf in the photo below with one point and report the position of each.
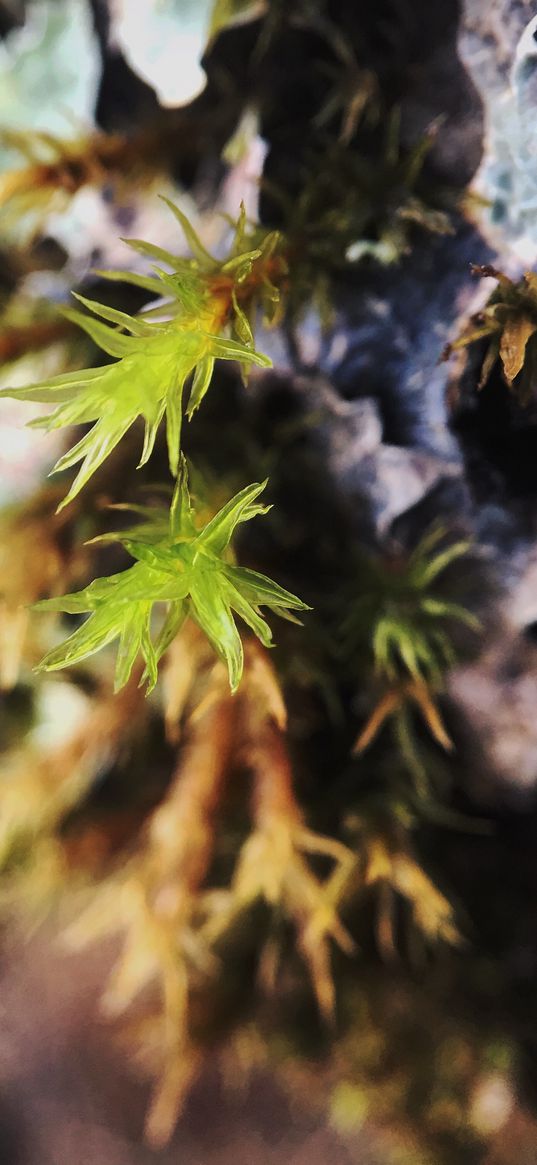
(247, 612)
(196, 246)
(181, 515)
(262, 590)
(151, 251)
(98, 630)
(133, 325)
(112, 342)
(130, 641)
(146, 282)
(218, 533)
(200, 384)
(213, 614)
(441, 562)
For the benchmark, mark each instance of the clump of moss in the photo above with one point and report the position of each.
(360, 202)
(509, 323)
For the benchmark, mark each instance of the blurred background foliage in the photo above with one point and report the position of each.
(302, 887)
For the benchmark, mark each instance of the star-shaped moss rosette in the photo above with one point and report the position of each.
(188, 569)
(206, 316)
(401, 625)
(509, 322)
(401, 616)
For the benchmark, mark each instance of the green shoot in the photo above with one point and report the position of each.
(206, 316)
(189, 570)
(402, 618)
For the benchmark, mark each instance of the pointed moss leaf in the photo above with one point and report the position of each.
(151, 251)
(516, 333)
(219, 531)
(112, 342)
(146, 282)
(247, 612)
(196, 246)
(440, 562)
(132, 324)
(490, 358)
(212, 612)
(200, 383)
(262, 590)
(150, 434)
(99, 629)
(242, 323)
(233, 350)
(172, 625)
(135, 620)
(241, 266)
(59, 388)
(182, 523)
(448, 610)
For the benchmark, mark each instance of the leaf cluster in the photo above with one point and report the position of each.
(358, 203)
(188, 570)
(509, 323)
(401, 618)
(202, 316)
